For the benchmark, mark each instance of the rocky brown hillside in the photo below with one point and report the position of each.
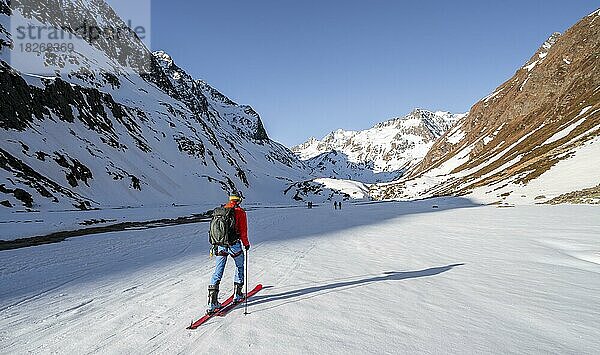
(542, 115)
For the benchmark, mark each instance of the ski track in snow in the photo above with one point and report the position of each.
(371, 278)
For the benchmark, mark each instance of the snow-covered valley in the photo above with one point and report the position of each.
(111, 160)
(396, 277)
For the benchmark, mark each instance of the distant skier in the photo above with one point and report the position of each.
(228, 228)
(335, 205)
(340, 205)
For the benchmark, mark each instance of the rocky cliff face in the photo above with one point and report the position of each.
(113, 124)
(538, 126)
(381, 153)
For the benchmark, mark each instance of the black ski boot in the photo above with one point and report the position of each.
(238, 295)
(213, 299)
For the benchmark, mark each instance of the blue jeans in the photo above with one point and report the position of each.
(235, 251)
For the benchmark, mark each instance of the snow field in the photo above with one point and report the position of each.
(552, 182)
(356, 190)
(371, 278)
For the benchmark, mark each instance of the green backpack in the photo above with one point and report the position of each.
(222, 227)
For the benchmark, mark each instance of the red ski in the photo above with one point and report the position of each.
(226, 306)
(207, 316)
(224, 310)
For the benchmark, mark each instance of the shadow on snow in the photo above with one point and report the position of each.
(314, 291)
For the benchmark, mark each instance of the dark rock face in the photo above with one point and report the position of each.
(157, 76)
(5, 37)
(260, 134)
(33, 179)
(24, 196)
(19, 194)
(24, 103)
(16, 112)
(214, 93)
(5, 8)
(41, 156)
(135, 183)
(192, 148)
(112, 79)
(76, 171)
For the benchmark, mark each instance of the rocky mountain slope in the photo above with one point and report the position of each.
(534, 139)
(112, 124)
(381, 153)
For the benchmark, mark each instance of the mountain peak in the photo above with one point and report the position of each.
(163, 57)
(419, 111)
(381, 152)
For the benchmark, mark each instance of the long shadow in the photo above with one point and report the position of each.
(313, 291)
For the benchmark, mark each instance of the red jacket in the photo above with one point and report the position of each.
(241, 224)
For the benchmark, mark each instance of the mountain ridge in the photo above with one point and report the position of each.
(381, 153)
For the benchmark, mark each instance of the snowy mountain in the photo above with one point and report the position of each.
(536, 138)
(381, 153)
(112, 124)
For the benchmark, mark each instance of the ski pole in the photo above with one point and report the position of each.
(246, 277)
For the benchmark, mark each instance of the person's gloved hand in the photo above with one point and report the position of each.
(247, 247)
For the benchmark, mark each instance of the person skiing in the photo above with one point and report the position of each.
(234, 250)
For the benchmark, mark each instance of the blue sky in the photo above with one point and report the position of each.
(310, 67)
